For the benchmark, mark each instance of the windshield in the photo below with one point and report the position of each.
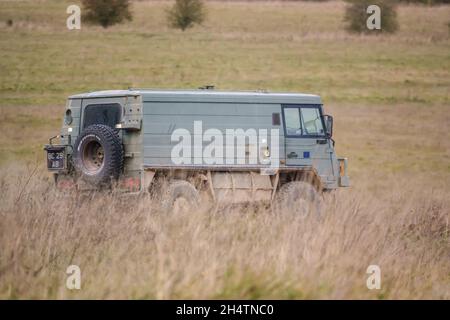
(303, 121)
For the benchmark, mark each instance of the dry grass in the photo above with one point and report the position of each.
(395, 215)
(135, 252)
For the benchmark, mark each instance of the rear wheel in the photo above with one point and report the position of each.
(299, 198)
(180, 196)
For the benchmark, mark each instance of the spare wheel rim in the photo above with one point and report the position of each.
(93, 157)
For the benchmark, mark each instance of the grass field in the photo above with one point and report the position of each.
(389, 96)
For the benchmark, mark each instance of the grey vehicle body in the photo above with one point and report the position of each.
(145, 120)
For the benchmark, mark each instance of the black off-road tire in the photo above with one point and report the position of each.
(298, 198)
(180, 189)
(98, 173)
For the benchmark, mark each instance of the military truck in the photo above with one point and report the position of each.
(228, 147)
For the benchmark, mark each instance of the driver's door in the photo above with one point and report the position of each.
(306, 143)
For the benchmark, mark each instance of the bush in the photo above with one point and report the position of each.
(106, 12)
(185, 13)
(356, 16)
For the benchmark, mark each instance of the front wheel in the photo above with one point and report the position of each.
(299, 198)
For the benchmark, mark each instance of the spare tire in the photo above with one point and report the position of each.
(98, 155)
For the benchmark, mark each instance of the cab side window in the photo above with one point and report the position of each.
(303, 121)
(292, 121)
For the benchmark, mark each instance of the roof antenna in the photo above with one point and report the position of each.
(207, 87)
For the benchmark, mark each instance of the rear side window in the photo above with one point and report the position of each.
(106, 114)
(276, 119)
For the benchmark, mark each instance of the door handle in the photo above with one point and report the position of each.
(292, 155)
(321, 141)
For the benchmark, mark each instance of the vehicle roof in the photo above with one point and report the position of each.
(205, 95)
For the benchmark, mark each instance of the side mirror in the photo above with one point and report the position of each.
(329, 125)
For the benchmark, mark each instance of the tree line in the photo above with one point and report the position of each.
(185, 14)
